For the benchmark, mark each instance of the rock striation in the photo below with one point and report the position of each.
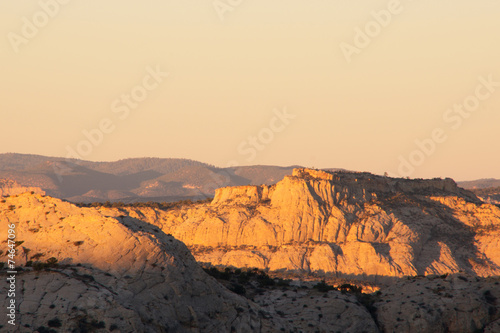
(342, 223)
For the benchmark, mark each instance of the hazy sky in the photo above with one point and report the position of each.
(349, 84)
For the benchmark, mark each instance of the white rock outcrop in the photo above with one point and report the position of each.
(345, 224)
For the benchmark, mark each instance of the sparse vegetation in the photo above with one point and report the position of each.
(149, 204)
(238, 289)
(241, 280)
(54, 322)
(489, 297)
(85, 326)
(346, 287)
(37, 256)
(50, 263)
(323, 287)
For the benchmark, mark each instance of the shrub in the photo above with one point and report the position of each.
(38, 266)
(243, 278)
(489, 297)
(350, 288)
(52, 262)
(37, 256)
(54, 322)
(264, 280)
(284, 282)
(238, 289)
(323, 287)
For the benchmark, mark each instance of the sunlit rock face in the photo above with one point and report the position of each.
(342, 223)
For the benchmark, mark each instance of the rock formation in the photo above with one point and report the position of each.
(341, 223)
(10, 187)
(119, 269)
(113, 273)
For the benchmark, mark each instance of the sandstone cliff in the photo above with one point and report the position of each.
(345, 224)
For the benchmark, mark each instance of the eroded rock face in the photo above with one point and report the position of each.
(122, 272)
(349, 224)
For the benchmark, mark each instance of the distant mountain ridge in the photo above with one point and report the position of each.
(487, 189)
(480, 183)
(146, 179)
(130, 180)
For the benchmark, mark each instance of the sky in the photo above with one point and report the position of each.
(411, 88)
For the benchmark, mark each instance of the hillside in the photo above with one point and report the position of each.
(113, 274)
(130, 180)
(345, 224)
(103, 270)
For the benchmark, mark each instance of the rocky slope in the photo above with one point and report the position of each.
(454, 303)
(113, 274)
(339, 223)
